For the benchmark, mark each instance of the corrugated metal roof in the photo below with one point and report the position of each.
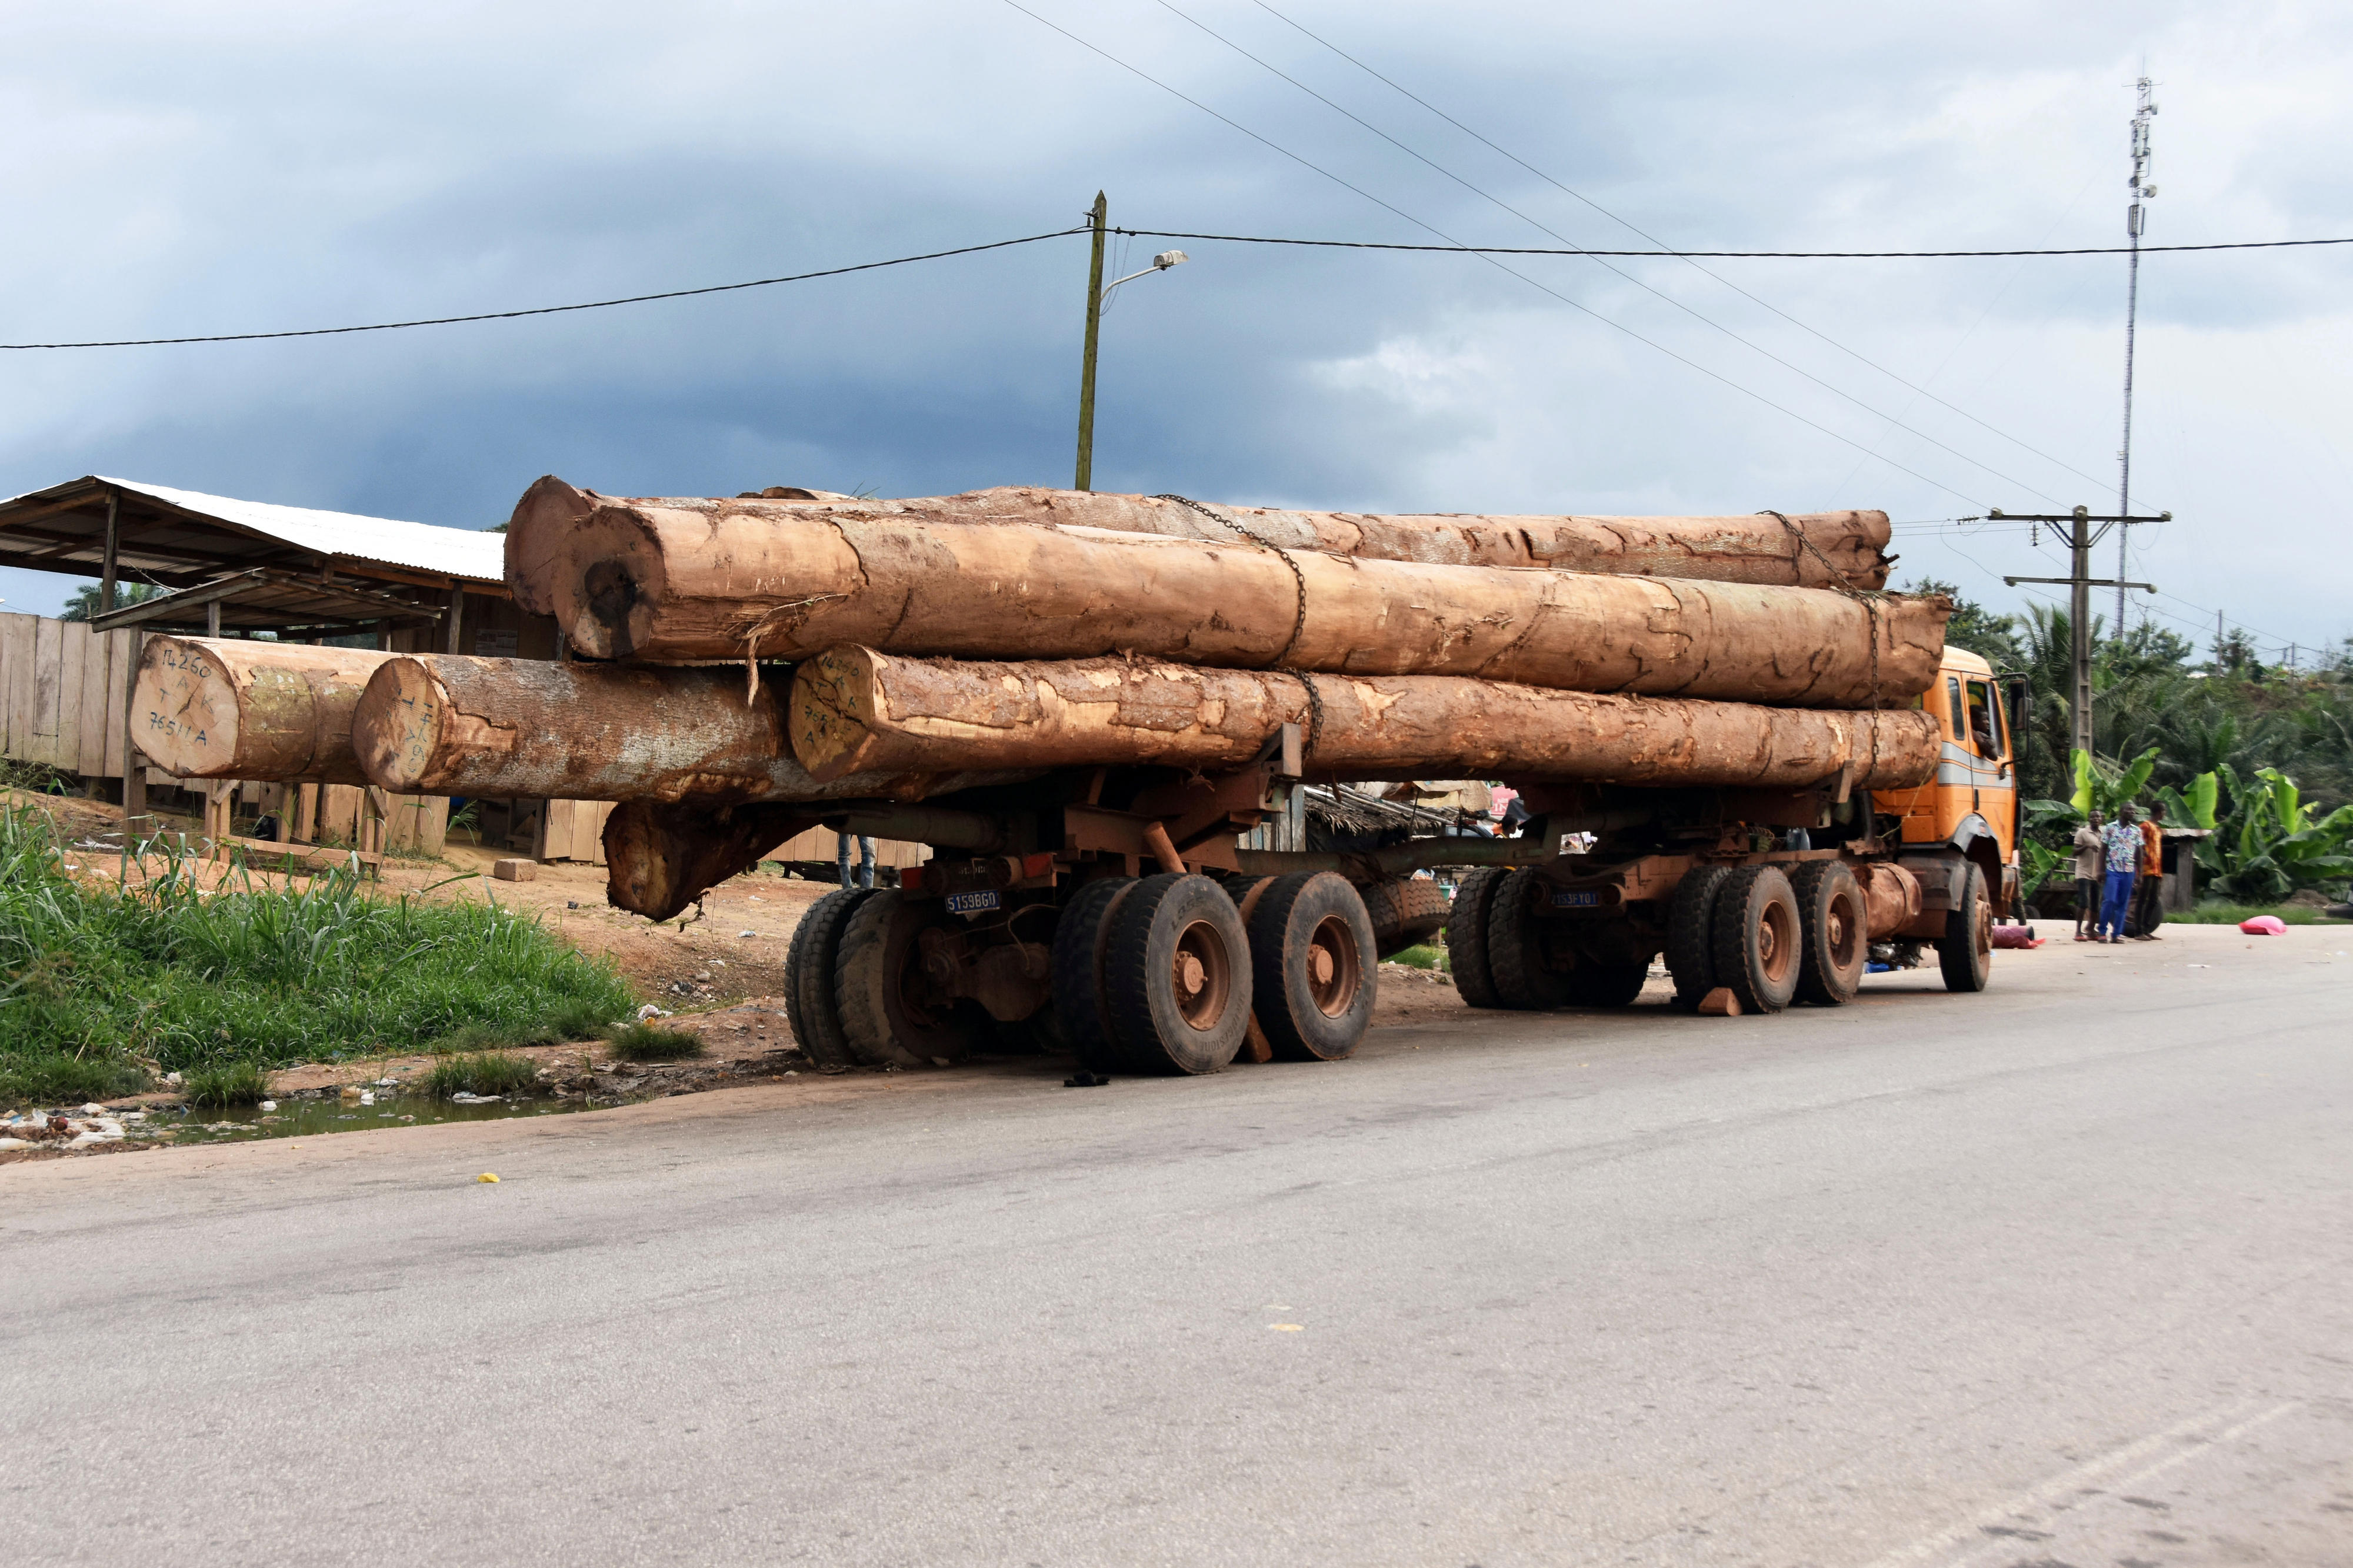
(419, 546)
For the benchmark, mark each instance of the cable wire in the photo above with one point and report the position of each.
(1680, 254)
(555, 309)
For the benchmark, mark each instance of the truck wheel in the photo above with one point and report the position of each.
(1515, 954)
(1757, 942)
(1177, 975)
(1691, 933)
(1834, 933)
(1965, 952)
(811, 1003)
(1312, 966)
(1466, 937)
(1405, 914)
(1608, 985)
(889, 1015)
(1080, 938)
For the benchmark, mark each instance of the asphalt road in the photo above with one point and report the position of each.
(2059, 1274)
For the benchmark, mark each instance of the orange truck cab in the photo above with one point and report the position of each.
(1971, 805)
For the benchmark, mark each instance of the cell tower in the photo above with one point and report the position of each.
(2136, 219)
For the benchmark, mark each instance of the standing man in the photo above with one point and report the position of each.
(2121, 840)
(865, 858)
(2148, 890)
(2087, 876)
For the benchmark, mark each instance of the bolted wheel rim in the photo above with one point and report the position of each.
(1982, 937)
(1842, 933)
(1334, 969)
(1777, 941)
(1201, 978)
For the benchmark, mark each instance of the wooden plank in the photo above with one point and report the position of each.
(118, 700)
(555, 829)
(90, 759)
(339, 811)
(16, 684)
(589, 831)
(73, 646)
(258, 848)
(48, 637)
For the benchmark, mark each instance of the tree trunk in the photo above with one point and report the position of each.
(230, 709)
(510, 728)
(1849, 546)
(657, 581)
(855, 709)
(660, 855)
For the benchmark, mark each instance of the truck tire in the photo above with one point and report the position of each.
(1313, 966)
(1691, 933)
(1608, 985)
(1466, 937)
(877, 984)
(811, 1003)
(1966, 951)
(1177, 977)
(1833, 932)
(1080, 939)
(1757, 951)
(1405, 914)
(1516, 953)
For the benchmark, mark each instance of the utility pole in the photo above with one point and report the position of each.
(2136, 218)
(2076, 528)
(1087, 374)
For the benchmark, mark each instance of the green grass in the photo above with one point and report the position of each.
(50, 1078)
(2231, 914)
(1424, 956)
(231, 1083)
(481, 1072)
(172, 975)
(650, 1042)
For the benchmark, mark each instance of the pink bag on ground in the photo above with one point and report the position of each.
(2265, 925)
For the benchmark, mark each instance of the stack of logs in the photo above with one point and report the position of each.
(742, 662)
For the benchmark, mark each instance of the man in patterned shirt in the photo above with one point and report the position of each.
(2121, 840)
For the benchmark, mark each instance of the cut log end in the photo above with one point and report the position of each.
(831, 715)
(397, 732)
(661, 856)
(203, 708)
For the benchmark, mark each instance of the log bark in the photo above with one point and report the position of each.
(853, 709)
(508, 728)
(661, 856)
(230, 709)
(1837, 546)
(654, 582)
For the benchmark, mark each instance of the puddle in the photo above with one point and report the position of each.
(312, 1117)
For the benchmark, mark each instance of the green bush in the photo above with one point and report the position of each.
(188, 977)
(1421, 957)
(650, 1042)
(481, 1072)
(231, 1083)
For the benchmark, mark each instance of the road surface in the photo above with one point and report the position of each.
(2059, 1274)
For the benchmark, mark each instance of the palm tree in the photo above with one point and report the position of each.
(83, 604)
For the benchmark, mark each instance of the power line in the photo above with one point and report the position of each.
(1692, 255)
(1453, 244)
(1892, 421)
(553, 309)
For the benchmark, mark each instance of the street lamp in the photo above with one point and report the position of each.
(1097, 293)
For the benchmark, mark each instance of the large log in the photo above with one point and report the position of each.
(231, 709)
(854, 709)
(509, 729)
(661, 856)
(654, 582)
(1811, 550)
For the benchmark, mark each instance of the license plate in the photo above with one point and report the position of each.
(1577, 899)
(973, 903)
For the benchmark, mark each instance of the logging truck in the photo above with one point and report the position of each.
(1114, 910)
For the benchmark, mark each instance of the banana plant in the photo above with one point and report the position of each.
(2269, 845)
(2103, 787)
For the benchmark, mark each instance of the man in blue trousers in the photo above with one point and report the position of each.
(2121, 840)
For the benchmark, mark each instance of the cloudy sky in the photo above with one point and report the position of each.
(240, 167)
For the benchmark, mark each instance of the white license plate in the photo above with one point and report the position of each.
(972, 903)
(1577, 899)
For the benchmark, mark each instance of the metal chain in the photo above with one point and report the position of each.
(1298, 624)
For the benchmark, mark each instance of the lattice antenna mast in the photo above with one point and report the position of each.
(2136, 220)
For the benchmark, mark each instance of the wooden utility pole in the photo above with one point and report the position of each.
(2077, 529)
(109, 562)
(1087, 372)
